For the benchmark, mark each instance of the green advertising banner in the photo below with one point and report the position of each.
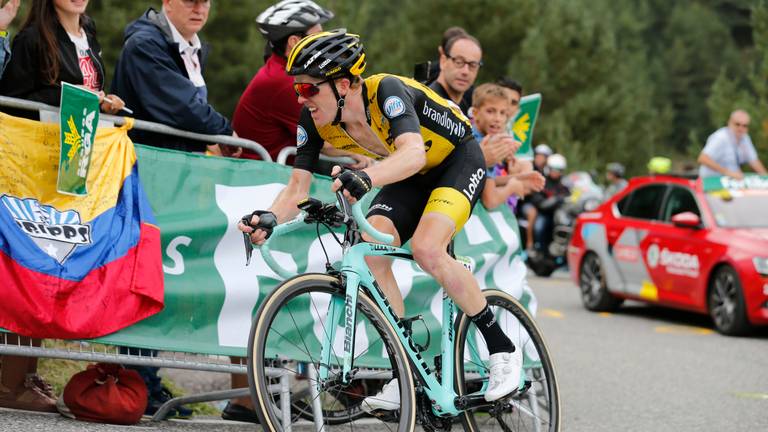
(750, 181)
(210, 295)
(79, 117)
(521, 127)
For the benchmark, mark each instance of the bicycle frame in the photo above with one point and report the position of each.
(356, 274)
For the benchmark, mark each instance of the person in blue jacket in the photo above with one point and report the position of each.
(160, 75)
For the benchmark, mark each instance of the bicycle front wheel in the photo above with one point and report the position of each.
(534, 408)
(284, 353)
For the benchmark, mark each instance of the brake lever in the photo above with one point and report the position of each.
(246, 220)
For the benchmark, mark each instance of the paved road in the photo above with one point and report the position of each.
(650, 369)
(640, 369)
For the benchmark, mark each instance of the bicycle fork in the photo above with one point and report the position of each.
(341, 307)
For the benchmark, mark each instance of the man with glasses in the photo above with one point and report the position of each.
(460, 60)
(160, 76)
(728, 148)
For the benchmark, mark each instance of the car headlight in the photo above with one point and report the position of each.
(761, 265)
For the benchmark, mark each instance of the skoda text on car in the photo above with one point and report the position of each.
(699, 245)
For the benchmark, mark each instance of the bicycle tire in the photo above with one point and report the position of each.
(519, 412)
(289, 302)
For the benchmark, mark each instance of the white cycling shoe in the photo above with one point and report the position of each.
(388, 399)
(505, 369)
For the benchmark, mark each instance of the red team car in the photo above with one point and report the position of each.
(699, 245)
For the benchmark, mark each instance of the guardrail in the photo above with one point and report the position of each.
(148, 126)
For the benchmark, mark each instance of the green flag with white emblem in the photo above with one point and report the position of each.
(78, 118)
(521, 127)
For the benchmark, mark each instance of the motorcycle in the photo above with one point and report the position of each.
(585, 196)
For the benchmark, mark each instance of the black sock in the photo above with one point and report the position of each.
(496, 340)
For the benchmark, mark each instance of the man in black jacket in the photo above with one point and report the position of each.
(159, 75)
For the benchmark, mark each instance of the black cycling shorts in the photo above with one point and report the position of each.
(451, 188)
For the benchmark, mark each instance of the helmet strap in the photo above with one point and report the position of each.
(339, 104)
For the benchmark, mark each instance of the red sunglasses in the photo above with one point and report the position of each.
(307, 90)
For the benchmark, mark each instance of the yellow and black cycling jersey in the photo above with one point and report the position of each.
(394, 105)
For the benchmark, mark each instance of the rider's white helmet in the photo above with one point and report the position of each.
(289, 17)
(557, 162)
(543, 149)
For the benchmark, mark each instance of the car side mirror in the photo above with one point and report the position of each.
(687, 220)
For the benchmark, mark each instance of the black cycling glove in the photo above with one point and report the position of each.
(267, 221)
(357, 183)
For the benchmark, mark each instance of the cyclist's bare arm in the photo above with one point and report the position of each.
(408, 159)
(284, 206)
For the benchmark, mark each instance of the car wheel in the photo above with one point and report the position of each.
(594, 291)
(726, 302)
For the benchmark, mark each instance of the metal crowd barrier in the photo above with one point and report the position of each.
(147, 126)
(89, 352)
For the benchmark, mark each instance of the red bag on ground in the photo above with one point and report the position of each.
(105, 393)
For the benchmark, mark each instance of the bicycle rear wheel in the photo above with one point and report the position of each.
(286, 339)
(534, 408)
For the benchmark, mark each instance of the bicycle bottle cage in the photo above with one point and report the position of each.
(408, 330)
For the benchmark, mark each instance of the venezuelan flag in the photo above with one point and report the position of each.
(74, 266)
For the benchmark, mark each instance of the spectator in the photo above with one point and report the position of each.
(160, 76)
(548, 200)
(460, 61)
(7, 14)
(427, 72)
(495, 151)
(515, 92)
(728, 148)
(614, 173)
(490, 103)
(268, 111)
(56, 43)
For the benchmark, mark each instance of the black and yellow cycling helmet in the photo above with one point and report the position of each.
(330, 54)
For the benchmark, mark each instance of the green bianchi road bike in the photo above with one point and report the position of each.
(327, 330)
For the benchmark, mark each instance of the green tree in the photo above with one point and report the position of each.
(698, 45)
(597, 98)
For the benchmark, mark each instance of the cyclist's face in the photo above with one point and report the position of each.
(468, 55)
(317, 96)
(491, 116)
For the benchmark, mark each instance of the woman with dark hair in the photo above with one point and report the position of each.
(56, 43)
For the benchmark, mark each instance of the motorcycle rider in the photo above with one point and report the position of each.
(526, 213)
(548, 200)
(614, 173)
(540, 155)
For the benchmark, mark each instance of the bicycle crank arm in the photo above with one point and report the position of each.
(477, 400)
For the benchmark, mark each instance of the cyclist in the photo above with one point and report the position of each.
(431, 173)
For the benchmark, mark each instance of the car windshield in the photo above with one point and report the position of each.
(739, 209)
